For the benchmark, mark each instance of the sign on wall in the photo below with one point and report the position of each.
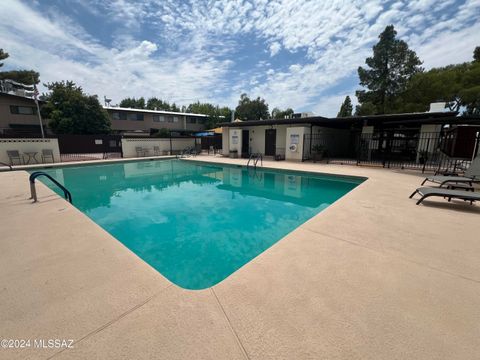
(294, 138)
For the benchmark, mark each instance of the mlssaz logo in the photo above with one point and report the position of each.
(53, 343)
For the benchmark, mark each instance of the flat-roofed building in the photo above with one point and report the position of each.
(147, 121)
(18, 115)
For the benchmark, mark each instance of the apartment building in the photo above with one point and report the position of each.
(18, 114)
(141, 120)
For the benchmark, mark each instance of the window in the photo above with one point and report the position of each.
(175, 119)
(191, 120)
(119, 116)
(135, 117)
(23, 110)
(158, 118)
(169, 119)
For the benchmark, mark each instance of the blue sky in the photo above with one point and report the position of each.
(300, 54)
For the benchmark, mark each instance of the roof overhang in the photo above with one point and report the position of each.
(359, 121)
(161, 112)
(304, 121)
(19, 97)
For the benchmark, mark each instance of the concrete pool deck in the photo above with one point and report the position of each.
(372, 277)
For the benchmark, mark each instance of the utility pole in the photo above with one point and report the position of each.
(35, 94)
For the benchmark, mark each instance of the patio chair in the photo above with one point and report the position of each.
(47, 154)
(14, 155)
(426, 192)
(472, 175)
(156, 150)
(140, 151)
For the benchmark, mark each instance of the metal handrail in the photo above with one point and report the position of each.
(190, 150)
(33, 191)
(255, 157)
(5, 164)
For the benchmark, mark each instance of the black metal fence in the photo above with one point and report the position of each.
(89, 147)
(213, 142)
(396, 149)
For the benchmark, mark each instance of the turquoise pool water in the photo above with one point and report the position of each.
(197, 223)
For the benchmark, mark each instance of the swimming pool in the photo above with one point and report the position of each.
(197, 223)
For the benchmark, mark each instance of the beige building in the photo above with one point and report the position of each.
(141, 120)
(18, 114)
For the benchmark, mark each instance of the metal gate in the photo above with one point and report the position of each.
(89, 147)
(212, 140)
(400, 149)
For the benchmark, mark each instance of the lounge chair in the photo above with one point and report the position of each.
(14, 155)
(47, 154)
(426, 192)
(472, 175)
(156, 150)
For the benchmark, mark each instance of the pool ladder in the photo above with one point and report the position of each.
(33, 190)
(254, 158)
(188, 151)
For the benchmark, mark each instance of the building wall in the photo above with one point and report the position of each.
(430, 139)
(29, 145)
(177, 145)
(281, 142)
(148, 122)
(298, 134)
(6, 116)
(225, 141)
(256, 138)
(235, 140)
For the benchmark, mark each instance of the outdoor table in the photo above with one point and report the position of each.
(30, 157)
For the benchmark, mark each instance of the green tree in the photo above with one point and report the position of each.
(162, 133)
(281, 114)
(215, 113)
(388, 72)
(476, 54)
(248, 109)
(346, 108)
(367, 108)
(457, 85)
(71, 111)
(158, 104)
(133, 103)
(3, 56)
(27, 77)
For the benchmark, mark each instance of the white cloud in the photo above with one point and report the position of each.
(192, 52)
(43, 44)
(275, 48)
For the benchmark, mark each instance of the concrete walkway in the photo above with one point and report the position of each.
(372, 277)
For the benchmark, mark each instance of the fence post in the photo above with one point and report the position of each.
(171, 148)
(359, 149)
(477, 143)
(381, 148)
(303, 147)
(426, 156)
